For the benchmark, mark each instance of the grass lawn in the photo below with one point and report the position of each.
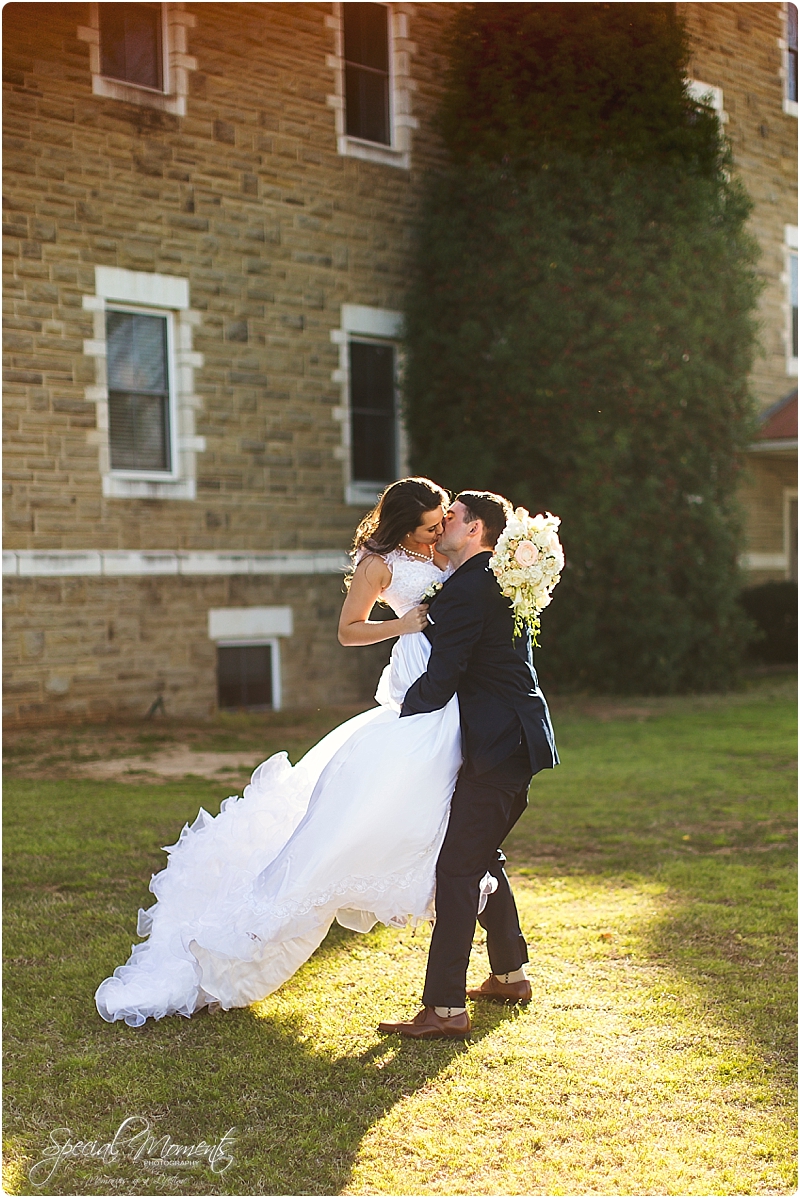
(655, 877)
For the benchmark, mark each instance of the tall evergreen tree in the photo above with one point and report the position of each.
(580, 329)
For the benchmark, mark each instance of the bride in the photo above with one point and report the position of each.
(352, 832)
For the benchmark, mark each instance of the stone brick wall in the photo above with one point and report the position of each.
(246, 197)
(735, 47)
(90, 648)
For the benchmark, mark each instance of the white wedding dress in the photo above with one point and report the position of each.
(351, 832)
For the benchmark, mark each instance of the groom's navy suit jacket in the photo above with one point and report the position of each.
(474, 655)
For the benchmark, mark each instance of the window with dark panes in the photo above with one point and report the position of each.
(244, 676)
(373, 415)
(131, 43)
(138, 391)
(791, 83)
(366, 71)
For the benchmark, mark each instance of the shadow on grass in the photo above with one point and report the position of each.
(334, 1102)
(299, 1112)
(728, 930)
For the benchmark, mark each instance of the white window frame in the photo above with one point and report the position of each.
(175, 68)
(154, 294)
(371, 326)
(172, 474)
(401, 86)
(255, 643)
(708, 93)
(790, 251)
(789, 106)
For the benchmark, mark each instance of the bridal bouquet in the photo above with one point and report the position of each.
(527, 562)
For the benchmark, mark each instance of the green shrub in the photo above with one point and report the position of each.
(580, 331)
(773, 609)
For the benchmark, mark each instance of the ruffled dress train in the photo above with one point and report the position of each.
(351, 832)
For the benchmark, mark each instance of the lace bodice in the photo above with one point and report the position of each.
(410, 577)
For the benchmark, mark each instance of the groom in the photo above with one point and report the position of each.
(506, 738)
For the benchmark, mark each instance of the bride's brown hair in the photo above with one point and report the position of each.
(397, 513)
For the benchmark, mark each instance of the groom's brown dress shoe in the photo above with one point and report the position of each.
(427, 1025)
(497, 991)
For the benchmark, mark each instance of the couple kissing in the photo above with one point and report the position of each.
(397, 815)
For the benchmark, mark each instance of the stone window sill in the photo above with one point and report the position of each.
(368, 151)
(131, 93)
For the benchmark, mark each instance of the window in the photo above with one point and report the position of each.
(373, 449)
(366, 71)
(373, 414)
(138, 391)
(138, 53)
(710, 95)
(372, 80)
(248, 654)
(131, 43)
(791, 41)
(144, 384)
(245, 676)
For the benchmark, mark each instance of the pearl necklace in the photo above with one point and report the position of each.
(421, 556)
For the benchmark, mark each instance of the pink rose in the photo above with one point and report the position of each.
(526, 553)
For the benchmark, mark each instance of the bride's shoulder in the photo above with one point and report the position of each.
(372, 565)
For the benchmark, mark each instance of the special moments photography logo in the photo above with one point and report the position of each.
(134, 1141)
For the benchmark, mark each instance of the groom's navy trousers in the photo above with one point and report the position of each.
(506, 737)
(483, 811)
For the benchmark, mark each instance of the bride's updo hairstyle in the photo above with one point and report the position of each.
(398, 512)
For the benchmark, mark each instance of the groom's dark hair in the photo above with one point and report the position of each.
(492, 509)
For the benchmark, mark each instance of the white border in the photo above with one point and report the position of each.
(763, 561)
(707, 93)
(789, 106)
(240, 624)
(401, 85)
(136, 290)
(274, 643)
(176, 67)
(143, 563)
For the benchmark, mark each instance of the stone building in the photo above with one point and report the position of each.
(207, 216)
(745, 57)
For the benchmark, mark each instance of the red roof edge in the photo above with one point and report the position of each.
(779, 423)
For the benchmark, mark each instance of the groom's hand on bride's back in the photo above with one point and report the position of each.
(414, 620)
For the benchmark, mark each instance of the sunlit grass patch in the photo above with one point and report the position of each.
(623, 1076)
